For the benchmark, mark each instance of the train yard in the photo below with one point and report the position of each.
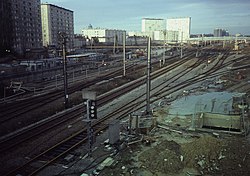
(33, 147)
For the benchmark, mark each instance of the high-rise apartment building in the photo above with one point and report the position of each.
(56, 19)
(152, 24)
(5, 28)
(21, 25)
(166, 36)
(149, 25)
(182, 25)
(103, 35)
(220, 32)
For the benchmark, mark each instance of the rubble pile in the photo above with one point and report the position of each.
(164, 158)
(235, 158)
(204, 154)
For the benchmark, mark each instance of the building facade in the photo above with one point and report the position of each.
(21, 28)
(167, 36)
(149, 25)
(220, 32)
(79, 41)
(103, 35)
(56, 19)
(5, 28)
(182, 25)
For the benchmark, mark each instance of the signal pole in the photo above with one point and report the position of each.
(124, 53)
(181, 43)
(91, 114)
(164, 49)
(148, 76)
(66, 96)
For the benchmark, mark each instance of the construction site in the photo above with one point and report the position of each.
(188, 116)
(200, 130)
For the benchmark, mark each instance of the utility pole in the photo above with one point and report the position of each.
(124, 53)
(164, 49)
(181, 43)
(66, 96)
(114, 43)
(148, 76)
(236, 42)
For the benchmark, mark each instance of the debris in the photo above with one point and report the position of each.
(106, 163)
(167, 151)
(203, 153)
(216, 134)
(131, 171)
(181, 158)
(69, 126)
(192, 174)
(201, 163)
(136, 141)
(69, 158)
(65, 167)
(221, 156)
(169, 129)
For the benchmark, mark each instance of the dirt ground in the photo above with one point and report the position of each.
(189, 153)
(204, 155)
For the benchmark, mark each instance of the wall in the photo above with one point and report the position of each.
(220, 121)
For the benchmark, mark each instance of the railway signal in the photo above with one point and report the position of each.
(91, 114)
(92, 109)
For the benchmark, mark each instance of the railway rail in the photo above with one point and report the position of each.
(78, 138)
(20, 136)
(101, 123)
(15, 110)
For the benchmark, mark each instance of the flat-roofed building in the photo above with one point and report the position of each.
(103, 35)
(20, 25)
(167, 36)
(218, 32)
(5, 28)
(182, 25)
(57, 19)
(149, 25)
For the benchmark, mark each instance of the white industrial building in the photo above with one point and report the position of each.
(103, 35)
(136, 33)
(54, 20)
(149, 25)
(182, 25)
(167, 36)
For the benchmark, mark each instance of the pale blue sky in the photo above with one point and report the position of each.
(206, 15)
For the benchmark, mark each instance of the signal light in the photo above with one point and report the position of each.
(92, 109)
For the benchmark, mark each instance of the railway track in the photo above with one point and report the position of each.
(21, 136)
(211, 73)
(16, 110)
(98, 125)
(59, 150)
(128, 89)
